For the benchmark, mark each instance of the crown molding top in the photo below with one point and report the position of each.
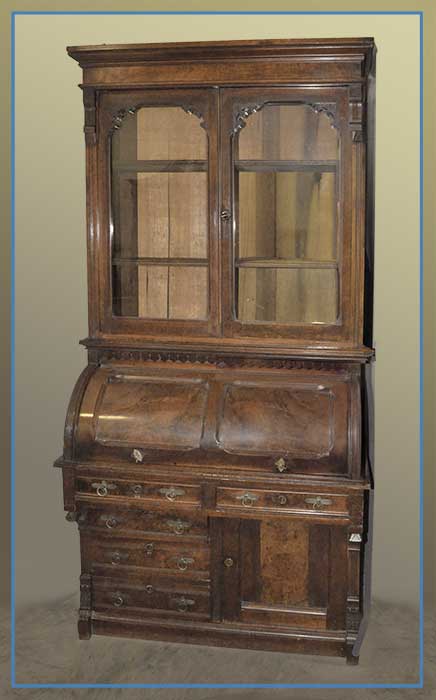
(345, 49)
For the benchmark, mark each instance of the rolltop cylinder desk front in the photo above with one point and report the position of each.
(217, 455)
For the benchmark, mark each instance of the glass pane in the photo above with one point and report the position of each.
(286, 190)
(287, 215)
(160, 213)
(160, 291)
(288, 132)
(288, 295)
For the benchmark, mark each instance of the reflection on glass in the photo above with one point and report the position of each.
(160, 215)
(286, 186)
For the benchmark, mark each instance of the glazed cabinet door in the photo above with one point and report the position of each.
(280, 571)
(157, 157)
(290, 239)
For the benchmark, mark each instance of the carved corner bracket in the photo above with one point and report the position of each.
(327, 108)
(90, 106)
(118, 118)
(241, 113)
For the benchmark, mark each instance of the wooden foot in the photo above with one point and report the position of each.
(352, 660)
(84, 629)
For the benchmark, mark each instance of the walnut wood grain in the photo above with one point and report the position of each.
(218, 453)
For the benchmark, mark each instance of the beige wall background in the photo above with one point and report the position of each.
(51, 274)
(51, 297)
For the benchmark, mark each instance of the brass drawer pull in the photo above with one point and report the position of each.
(228, 562)
(183, 604)
(280, 499)
(136, 490)
(318, 502)
(280, 465)
(149, 588)
(117, 557)
(184, 562)
(178, 526)
(149, 549)
(102, 487)
(247, 499)
(137, 455)
(110, 521)
(118, 600)
(172, 492)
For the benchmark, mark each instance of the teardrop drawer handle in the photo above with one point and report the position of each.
(178, 526)
(136, 490)
(102, 487)
(149, 549)
(172, 492)
(137, 455)
(247, 499)
(118, 600)
(184, 562)
(183, 604)
(318, 502)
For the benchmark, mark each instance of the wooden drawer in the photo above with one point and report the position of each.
(143, 491)
(119, 556)
(153, 597)
(123, 522)
(282, 501)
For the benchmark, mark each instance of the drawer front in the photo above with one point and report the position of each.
(282, 501)
(143, 491)
(149, 599)
(118, 556)
(124, 522)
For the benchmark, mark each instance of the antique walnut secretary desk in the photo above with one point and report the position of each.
(217, 455)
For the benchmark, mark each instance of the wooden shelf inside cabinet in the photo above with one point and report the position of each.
(160, 166)
(279, 263)
(217, 445)
(319, 166)
(176, 262)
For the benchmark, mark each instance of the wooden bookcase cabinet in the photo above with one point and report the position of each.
(217, 453)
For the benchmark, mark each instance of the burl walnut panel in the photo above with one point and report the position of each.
(298, 420)
(142, 411)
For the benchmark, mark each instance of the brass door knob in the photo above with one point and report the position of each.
(118, 600)
(225, 215)
(228, 562)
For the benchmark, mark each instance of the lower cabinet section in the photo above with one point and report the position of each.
(257, 580)
(279, 571)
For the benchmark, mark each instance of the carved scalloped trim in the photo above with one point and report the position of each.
(215, 360)
(241, 116)
(118, 118)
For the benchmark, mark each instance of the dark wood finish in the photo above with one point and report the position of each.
(218, 452)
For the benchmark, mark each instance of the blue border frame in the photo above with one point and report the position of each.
(421, 368)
